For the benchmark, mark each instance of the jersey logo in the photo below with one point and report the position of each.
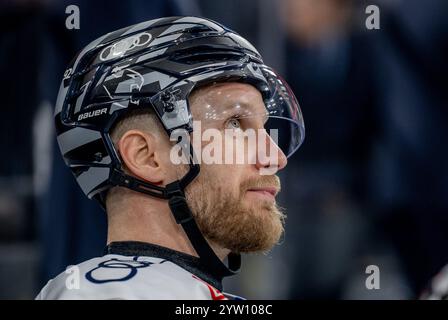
(123, 270)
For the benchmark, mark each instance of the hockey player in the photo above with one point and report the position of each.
(134, 117)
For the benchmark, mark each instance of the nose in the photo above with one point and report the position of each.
(269, 155)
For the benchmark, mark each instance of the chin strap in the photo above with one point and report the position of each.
(174, 193)
(182, 214)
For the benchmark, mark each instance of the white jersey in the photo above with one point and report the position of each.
(116, 276)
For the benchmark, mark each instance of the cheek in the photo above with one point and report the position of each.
(241, 149)
(224, 178)
(172, 170)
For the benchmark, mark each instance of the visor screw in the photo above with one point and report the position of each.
(168, 106)
(98, 156)
(167, 100)
(166, 97)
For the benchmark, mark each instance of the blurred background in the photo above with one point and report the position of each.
(368, 187)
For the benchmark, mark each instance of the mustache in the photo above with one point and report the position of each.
(261, 182)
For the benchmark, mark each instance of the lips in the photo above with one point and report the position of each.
(271, 190)
(265, 192)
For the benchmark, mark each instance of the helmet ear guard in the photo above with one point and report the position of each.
(156, 65)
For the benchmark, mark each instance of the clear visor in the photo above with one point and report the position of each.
(241, 107)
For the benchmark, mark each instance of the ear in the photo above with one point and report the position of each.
(140, 154)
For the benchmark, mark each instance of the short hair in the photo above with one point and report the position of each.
(145, 120)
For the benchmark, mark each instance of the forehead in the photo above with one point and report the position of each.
(227, 97)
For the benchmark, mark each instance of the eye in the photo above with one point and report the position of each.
(233, 123)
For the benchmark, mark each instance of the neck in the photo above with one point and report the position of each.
(137, 217)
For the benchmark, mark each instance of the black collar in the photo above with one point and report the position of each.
(186, 261)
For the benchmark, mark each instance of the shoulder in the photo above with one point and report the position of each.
(122, 277)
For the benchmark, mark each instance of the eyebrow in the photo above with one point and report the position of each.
(244, 106)
(249, 106)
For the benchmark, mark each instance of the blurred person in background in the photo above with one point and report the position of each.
(372, 182)
(22, 29)
(327, 62)
(409, 172)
